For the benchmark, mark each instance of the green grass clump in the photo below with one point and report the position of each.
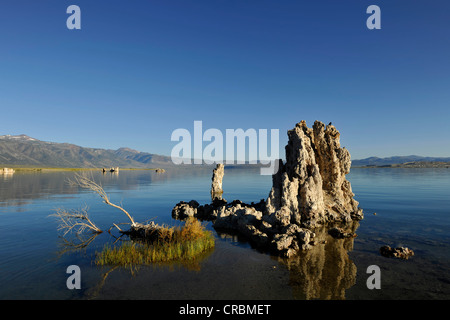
(183, 243)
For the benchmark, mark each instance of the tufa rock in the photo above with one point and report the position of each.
(216, 185)
(308, 192)
(338, 233)
(311, 185)
(401, 252)
(184, 210)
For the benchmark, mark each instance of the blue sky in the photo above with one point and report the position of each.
(138, 70)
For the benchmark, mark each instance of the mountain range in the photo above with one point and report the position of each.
(25, 151)
(22, 150)
(375, 161)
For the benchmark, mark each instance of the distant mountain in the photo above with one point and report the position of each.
(25, 151)
(22, 150)
(375, 161)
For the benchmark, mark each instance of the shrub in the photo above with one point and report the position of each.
(174, 243)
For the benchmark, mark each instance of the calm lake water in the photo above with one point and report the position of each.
(412, 209)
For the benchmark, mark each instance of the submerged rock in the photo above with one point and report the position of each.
(183, 210)
(338, 233)
(400, 252)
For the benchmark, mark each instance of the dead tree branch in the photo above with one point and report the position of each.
(75, 220)
(86, 183)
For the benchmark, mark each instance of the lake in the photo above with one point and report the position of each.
(412, 209)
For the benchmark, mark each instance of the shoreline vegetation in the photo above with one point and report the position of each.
(172, 243)
(148, 243)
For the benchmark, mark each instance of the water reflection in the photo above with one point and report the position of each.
(412, 209)
(89, 245)
(113, 174)
(324, 272)
(20, 188)
(7, 175)
(76, 244)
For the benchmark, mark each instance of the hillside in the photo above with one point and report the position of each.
(399, 160)
(25, 151)
(22, 150)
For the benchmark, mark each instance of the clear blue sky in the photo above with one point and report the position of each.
(137, 70)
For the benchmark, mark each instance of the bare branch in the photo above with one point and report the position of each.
(118, 227)
(75, 220)
(87, 183)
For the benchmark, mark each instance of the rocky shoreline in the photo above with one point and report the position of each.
(309, 192)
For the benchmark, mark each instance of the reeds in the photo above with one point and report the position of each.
(174, 243)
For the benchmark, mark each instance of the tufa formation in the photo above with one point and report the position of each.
(309, 193)
(311, 188)
(216, 184)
